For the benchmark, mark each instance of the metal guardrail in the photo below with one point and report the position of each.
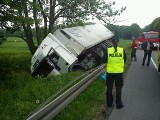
(49, 111)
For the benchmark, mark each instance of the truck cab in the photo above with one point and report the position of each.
(50, 56)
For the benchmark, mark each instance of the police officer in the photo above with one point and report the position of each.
(115, 58)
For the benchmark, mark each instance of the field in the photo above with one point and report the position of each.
(20, 93)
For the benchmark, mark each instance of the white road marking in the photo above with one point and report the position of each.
(155, 65)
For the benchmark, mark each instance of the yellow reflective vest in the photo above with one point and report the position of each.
(115, 62)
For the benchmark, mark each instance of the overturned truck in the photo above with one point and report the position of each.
(70, 49)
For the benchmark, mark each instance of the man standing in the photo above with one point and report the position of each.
(115, 58)
(147, 47)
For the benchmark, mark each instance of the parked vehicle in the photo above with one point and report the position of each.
(145, 35)
(70, 49)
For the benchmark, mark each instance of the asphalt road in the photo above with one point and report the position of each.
(141, 92)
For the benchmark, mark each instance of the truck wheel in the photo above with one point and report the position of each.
(100, 52)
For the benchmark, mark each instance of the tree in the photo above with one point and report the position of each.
(22, 15)
(44, 15)
(2, 37)
(106, 12)
(146, 28)
(15, 16)
(115, 30)
(135, 30)
(155, 25)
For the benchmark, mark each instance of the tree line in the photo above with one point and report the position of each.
(127, 32)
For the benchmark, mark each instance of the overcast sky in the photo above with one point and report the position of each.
(142, 12)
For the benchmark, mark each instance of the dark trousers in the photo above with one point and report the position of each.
(118, 79)
(133, 54)
(147, 53)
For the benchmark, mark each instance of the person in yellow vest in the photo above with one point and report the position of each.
(115, 58)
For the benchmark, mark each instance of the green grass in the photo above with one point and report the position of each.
(12, 47)
(20, 93)
(125, 43)
(87, 105)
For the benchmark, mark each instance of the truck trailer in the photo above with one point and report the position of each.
(71, 49)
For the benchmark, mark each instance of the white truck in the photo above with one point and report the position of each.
(70, 49)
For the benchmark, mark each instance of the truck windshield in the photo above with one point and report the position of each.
(150, 35)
